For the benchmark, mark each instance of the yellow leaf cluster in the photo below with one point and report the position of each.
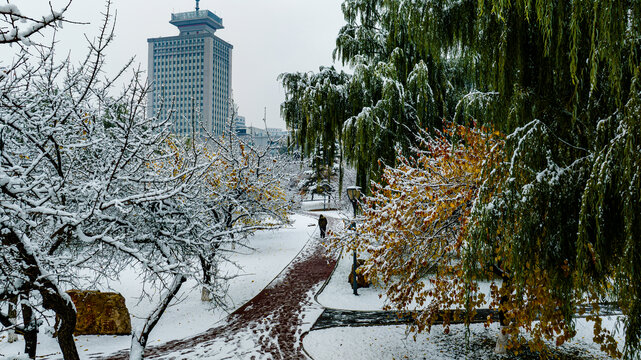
(416, 217)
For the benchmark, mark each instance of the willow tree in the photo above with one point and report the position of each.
(314, 110)
(560, 218)
(398, 86)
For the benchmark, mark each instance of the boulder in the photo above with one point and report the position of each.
(100, 313)
(361, 280)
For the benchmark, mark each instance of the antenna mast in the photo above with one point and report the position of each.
(197, 6)
(265, 118)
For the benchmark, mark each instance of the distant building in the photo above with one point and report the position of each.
(191, 72)
(256, 132)
(277, 132)
(261, 138)
(239, 125)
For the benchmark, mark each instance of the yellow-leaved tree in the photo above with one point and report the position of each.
(425, 248)
(414, 222)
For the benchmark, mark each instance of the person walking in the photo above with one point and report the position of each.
(322, 224)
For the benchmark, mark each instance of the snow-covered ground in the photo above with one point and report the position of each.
(338, 292)
(336, 214)
(326, 205)
(392, 342)
(273, 250)
(319, 203)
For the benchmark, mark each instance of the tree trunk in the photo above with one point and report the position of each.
(229, 224)
(13, 317)
(205, 295)
(66, 312)
(502, 338)
(52, 297)
(206, 267)
(501, 341)
(139, 339)
(30, 331)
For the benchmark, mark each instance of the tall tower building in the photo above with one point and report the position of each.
(190, 74)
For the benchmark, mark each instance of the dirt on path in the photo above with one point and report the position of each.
(270, 325)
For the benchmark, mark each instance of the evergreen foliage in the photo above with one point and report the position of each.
(314, 110)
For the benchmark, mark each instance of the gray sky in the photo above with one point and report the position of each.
(269, 37)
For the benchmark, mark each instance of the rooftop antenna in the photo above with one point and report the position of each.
(265, 118)
(197, 6)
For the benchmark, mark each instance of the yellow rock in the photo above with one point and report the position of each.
(100, 313)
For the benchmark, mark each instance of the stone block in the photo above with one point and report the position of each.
(100, 313)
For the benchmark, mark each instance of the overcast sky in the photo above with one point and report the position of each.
(269, 37)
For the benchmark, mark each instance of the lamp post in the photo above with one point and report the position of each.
(354, 195)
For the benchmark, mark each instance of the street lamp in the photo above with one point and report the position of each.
(354, 195)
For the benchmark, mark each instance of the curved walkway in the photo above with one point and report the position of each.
(268, 326)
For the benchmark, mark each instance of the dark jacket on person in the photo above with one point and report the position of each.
(322, 222)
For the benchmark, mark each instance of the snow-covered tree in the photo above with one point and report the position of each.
(316, 130)
(16, 27)
(90, 184)
(400, 84)
(243, 192)
(562, 211)
(76, 182)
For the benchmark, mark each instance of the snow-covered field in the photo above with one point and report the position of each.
(330, 207)
(272, 252)
(392, 342)
(338, 292)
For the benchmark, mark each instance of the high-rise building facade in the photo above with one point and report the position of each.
(190, 75)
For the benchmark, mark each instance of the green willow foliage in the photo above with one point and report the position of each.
(562, 78)
(397, 87)
(567, 200)
(315, 111)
